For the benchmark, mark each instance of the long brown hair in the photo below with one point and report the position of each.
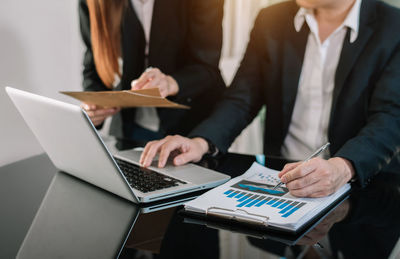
(105, 30)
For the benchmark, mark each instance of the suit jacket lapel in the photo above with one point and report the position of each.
(351, 51)
(163, 12)
(293, 56)
(133, 46)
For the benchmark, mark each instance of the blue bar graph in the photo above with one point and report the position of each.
(239, 195)
(244, 198)
(283, 205)
(232, 194)
(262, 202)
(276, 204)
(247, 199)
(286, 209)
(252, 203)
(245, 202)
(228, 191)
(290, 212)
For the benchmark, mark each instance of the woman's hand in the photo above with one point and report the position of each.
(154, 78)
(96, 114)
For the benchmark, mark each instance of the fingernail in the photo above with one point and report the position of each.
(178, 161)
(283, 179)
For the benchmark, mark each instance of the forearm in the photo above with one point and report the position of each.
(196, 79)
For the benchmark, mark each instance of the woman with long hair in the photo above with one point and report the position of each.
(174, 45)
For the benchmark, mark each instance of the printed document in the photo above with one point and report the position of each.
(250, 198)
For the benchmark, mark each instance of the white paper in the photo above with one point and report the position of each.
(253, 193)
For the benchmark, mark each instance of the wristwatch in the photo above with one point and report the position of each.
(212, 149)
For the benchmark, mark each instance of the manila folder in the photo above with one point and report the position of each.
(126, 99)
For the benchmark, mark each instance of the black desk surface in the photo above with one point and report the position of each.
(78, 220)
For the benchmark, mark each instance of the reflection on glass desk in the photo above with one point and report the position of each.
(49, 214)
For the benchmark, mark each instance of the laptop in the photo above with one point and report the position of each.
(74, 146)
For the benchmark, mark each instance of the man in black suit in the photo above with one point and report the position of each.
(327, 71)
(174, 45)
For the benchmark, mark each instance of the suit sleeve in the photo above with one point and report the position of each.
(91, 80)
(202, 51)
(378, 142)
(241, 101)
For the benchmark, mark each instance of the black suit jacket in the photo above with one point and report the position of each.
(365, 118)
(185, 42)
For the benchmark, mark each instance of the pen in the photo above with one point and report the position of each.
(318, 245)
(316, 153)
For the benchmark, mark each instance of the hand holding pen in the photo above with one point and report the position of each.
(315, 154)
(317, 177)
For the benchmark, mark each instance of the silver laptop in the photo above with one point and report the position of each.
(74, 146)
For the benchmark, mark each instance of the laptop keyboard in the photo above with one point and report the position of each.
(146, 180)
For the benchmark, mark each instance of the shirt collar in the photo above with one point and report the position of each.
(352, 20)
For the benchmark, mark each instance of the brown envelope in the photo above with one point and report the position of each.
(125, 99)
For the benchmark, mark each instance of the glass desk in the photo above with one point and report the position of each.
(49, 214)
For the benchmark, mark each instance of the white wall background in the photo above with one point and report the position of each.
(40, 51)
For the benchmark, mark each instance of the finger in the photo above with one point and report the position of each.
(145, 77)
(97, 122)
(145, 151)
(191, 155)
(313, 190)
(133, 84)
(288, 167)
(155, 83)
(164, 89)
(166, 150)
(300, 171)
(303, 182)
(147, 148)
(152, 151)
(100, 112)
(88, 107)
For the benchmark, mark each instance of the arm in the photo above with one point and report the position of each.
(202, 51)
(378, 143)
(239, 106)
(242, 100)
(365, 155)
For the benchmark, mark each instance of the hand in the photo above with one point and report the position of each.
(154, 78)
(96, 114)
(189, 150)
(316, 177)
(322, 229)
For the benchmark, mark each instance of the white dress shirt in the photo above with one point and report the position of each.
(145, 116)
(308, 129)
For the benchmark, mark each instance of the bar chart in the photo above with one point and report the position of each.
(260, 188)
(245, 199)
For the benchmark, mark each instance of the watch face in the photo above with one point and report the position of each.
(212, 149)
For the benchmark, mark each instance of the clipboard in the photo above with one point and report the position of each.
(261, 227)
(125, 99)
(239, 215)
